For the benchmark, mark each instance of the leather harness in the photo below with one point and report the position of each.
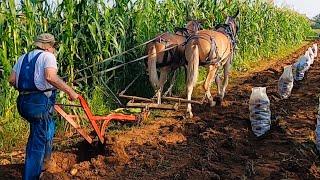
(213, 49)
(176, 58)
(227, 31)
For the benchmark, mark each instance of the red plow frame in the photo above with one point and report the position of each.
(94, 120)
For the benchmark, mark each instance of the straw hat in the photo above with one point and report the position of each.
(45, 41)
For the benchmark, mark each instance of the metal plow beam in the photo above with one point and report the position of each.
(94, 120)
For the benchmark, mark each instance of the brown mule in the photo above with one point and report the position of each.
(213, 49)
(167, 54)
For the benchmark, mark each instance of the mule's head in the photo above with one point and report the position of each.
(193, 26)
(231, 21)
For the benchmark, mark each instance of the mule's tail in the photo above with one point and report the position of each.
(193, 65)
(152, 66)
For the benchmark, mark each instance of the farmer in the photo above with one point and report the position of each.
(35, 77)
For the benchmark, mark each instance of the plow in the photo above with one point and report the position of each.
(100, 123)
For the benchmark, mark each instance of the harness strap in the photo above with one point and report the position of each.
(26, 84)
(26, 75)
(227, 31)
(162, 40)
(176, 58)
(170, 52)
(213, 49)
(165, 57)
(165, 61)
(210, 59)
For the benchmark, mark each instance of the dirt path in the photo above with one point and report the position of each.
(217, 144)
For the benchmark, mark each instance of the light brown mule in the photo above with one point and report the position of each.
(168, 60)
(213, 49)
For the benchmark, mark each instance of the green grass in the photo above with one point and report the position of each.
(13, 134)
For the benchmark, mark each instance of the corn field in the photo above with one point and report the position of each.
(92, 31)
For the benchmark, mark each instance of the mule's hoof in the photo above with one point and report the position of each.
(159, 99)
(213, 103)
(167, 93)
(218, 101)
(189, 115)
(204, 100)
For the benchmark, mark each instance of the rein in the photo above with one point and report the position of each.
(117, 55)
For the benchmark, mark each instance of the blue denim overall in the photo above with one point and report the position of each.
(34, 106)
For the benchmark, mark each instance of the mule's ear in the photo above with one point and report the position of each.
(201, 21)
(188, 17)
(237, 13)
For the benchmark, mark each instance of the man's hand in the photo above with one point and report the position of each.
(73, 96)
(12, 79)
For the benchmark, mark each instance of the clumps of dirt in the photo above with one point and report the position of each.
(11, 171)
(118, 154)
(123, 148)
(64, 161)
(94, 168)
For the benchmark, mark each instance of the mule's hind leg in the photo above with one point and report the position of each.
(226, 71)
(207, 85)
(173, 80)
(218, 82)
(189, 93)
(163, 78)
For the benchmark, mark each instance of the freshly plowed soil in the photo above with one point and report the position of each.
(216, 144)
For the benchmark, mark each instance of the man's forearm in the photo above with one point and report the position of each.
(60, 84)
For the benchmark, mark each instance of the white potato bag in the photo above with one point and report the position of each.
(285, 83)
(260, 114)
